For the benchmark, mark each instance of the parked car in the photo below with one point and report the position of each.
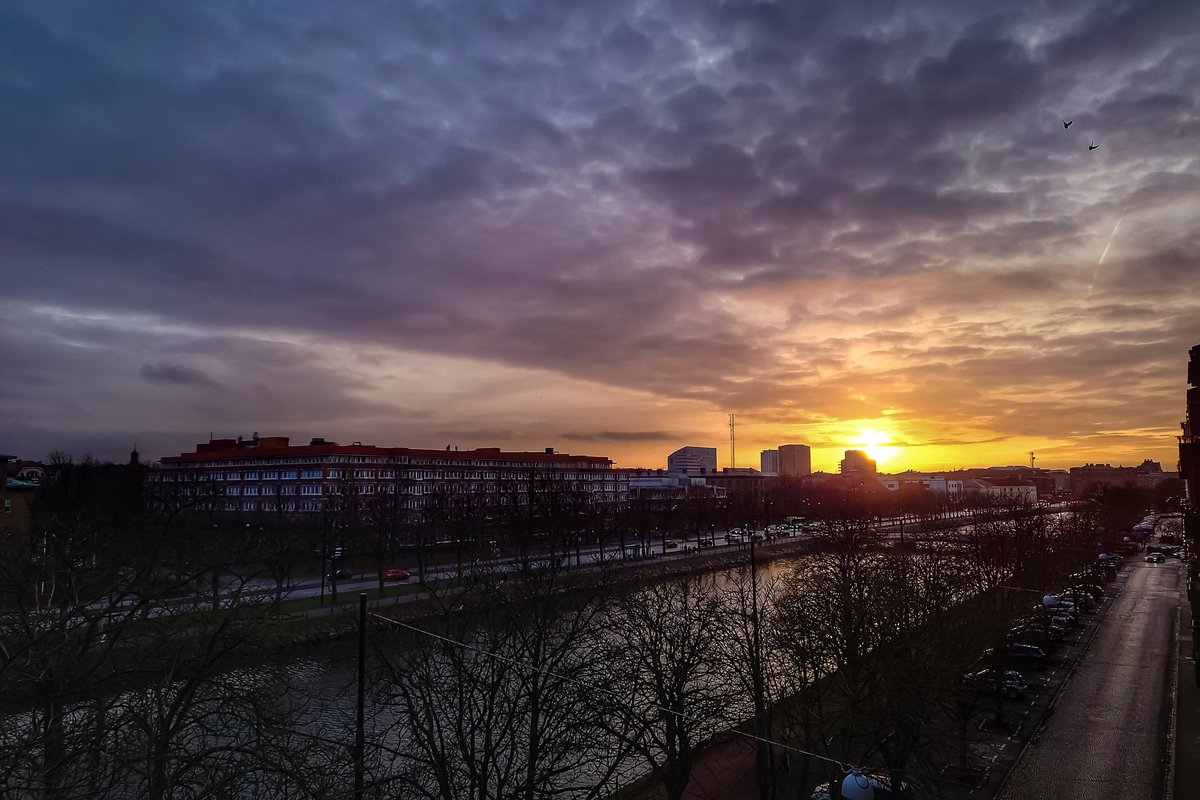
(670, 544)
(396, 574)
(880, 783)
(1156, 558)
(1093, 590)
(1035, 633)
(703, 543)
(1005, 682)
(1026, 653)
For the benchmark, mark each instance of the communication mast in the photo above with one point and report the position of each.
(732, 448)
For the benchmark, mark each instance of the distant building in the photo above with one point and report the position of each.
(270, 474)
(856, 462)
(795, 460)
(693, 461)
(747, 483)
(1012, 489)
(657, 485)
(936, 483)
(16, 507)
(768, 462)
(1146, 475)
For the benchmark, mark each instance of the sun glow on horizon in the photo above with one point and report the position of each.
(875, 443)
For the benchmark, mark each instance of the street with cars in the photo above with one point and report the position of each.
(1101, 719)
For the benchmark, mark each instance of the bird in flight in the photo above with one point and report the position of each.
(1067, 124)
(1093, 145)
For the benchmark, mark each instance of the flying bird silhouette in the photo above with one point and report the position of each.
(1067, 124)
(1093, 145)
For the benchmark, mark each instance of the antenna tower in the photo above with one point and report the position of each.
(732, 449)
(1031, 459)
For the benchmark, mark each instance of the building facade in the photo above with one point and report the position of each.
(693, 461)
(271, 474)
(1189, 438)
(768, 462)
(795, 460)
(1146, 475)
(856, 462)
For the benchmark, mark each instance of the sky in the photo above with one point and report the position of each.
(602, 227)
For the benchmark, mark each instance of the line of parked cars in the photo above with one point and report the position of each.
(1028, 640)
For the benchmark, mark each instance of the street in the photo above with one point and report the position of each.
(1108, 738)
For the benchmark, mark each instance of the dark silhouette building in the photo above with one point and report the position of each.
(1189, 446)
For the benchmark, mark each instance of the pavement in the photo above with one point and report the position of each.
(1186, 779)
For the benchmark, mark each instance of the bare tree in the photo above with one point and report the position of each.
(663, 650)
(510, 704)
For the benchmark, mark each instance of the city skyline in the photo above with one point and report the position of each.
(603, 229)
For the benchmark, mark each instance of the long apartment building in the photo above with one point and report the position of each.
(271, 474)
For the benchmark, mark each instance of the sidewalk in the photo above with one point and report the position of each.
(1187, 708)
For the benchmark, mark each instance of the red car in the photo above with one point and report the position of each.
(394, 574)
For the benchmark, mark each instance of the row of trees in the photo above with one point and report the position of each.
(852, 656)
(558, 684)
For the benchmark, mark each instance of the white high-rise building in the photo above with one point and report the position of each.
(693, 461)
(768, 462)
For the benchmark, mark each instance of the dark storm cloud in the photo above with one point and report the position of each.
(623, 436)
(610, 191)
(176, 374)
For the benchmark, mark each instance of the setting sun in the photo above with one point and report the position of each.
(875, 443)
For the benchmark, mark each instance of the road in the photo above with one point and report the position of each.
(1108, 738)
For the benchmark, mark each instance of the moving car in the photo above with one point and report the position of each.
(1156, 558)
(396, 574)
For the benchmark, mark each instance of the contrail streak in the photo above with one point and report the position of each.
(1096, 271)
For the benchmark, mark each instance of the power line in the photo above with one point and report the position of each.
(611, 693)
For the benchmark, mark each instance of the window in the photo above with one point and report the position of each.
(387, 474)
(310, 473)
(287, 489)
(233, 476)
(288, 475)
(251, 490)
(310, 488)
(364, 473)
(335, 473)
(250, 506)
(270, 475)
(233, 490)
(252, 475)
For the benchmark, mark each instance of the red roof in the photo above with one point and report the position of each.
(247, 450)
